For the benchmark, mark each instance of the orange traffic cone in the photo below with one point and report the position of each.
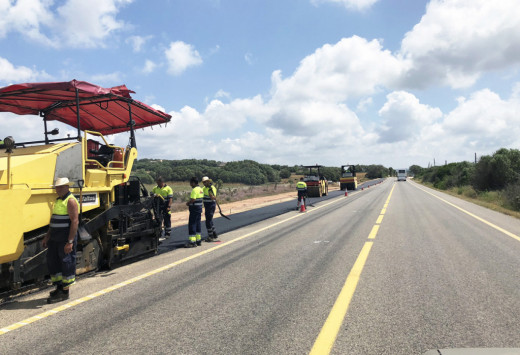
(346, 193)
(302, 207)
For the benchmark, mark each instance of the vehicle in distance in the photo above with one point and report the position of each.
(401, 175)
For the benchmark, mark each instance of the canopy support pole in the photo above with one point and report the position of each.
(77, 114)
(45, 126)
(131, 124)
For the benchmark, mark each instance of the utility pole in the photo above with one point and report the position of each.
(433, 161)
(475, 158)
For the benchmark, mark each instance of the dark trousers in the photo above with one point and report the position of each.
(301, 195)
(209, 211)
(61, 266)
(167, 219)
(194, 220)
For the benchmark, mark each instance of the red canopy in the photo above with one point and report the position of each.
(106, 111)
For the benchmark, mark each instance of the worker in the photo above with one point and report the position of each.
(60, 241)
(210, 203)
(166, 197)
(195, 208)
(301, 186)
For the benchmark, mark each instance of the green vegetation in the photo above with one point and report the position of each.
(494, 179)
(247, 172)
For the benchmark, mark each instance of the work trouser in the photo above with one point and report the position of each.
(209, 211)
(167, 219)
(301, 196)
(61, 266)
(194, 223)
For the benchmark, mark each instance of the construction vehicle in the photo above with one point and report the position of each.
(317, 184)
(117, 219)
(348, 179)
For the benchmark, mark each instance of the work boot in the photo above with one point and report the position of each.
(215, 237)
(190, 245)
(199, 243)
(209, 239)
(56, 291)
(59, 296)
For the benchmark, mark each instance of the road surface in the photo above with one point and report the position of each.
(392, 269)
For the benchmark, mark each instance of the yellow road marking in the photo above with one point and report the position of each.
(153, 272)
(379, 219)
(509, 234)
(373, 232)
(329, 332)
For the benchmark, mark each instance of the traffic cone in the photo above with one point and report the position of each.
(362, 188)
(346, 193)
(302, 207)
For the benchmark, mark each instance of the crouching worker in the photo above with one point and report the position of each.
(195, 208)
(60, 241)
(301, 186)
(210, 203)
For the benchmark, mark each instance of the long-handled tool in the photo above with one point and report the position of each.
(219, 209)
(82, 230)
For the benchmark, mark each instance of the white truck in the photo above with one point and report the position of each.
(401, 174)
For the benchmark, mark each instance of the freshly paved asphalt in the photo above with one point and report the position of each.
(435, 277)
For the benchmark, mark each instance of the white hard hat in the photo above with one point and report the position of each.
(205, 178)
(61, 181)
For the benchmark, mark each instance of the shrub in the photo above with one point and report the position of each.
(512, 196)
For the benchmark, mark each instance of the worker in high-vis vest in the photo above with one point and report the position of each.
(210, 203)
(195, 208)
(165, 206)
(301, 186)
(60, 241)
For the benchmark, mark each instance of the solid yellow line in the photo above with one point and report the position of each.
(514, 236)
(150, 273)
(373, 232)
(329, 332)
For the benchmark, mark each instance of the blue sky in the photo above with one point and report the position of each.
(288, 82)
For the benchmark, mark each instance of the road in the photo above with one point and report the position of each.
(392, 269)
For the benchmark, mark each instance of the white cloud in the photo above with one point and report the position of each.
(248, 57)
(76, 23)
(222, 94)
(88, 23)
(149, 66)
(358, 5)
(108, 79)
(137, 42)
(9, 73)
(487, 119)
(352, 67)
(181, 56)
(363, 104)
(404, 117)
(457, 40)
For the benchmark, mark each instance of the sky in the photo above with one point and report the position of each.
(292, 82)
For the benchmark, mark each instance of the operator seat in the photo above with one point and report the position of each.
(103, 155)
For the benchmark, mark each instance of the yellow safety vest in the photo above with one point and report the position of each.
(164, 191)
(197, 194)
(207, 198)
(60, 220)
(301, 186)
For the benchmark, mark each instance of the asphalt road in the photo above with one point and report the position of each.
(414, 273)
